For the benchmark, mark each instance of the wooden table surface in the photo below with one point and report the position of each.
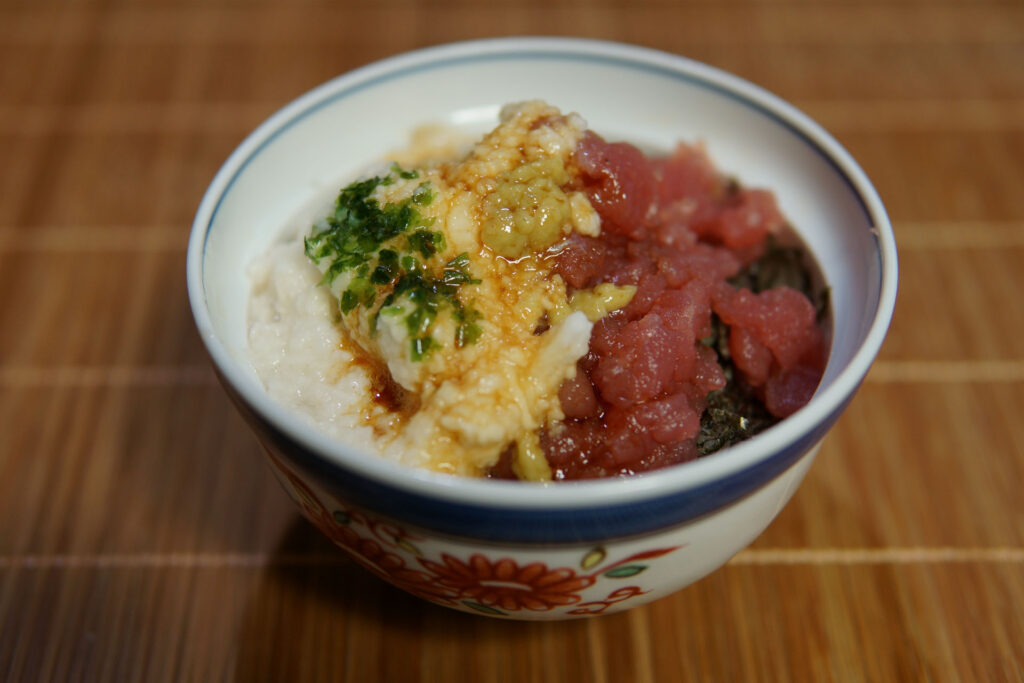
(143, 538)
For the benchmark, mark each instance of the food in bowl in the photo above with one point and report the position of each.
(545, 305)
(492, 546)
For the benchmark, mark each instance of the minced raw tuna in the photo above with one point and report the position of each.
(711, 349)
(540, 305)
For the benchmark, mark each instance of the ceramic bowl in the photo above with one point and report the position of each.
(510, 549)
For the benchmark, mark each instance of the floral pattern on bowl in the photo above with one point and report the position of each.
(471, 580)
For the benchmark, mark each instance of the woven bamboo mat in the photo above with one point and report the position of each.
(141, 536)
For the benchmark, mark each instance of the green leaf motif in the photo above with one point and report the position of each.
(484, 609)
(625, 571)
(405, 545)
(341, 517)
(593, 558)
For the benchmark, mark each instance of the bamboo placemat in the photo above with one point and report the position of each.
(141, 536)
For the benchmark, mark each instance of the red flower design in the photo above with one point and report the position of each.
(483, 584)
(392, 568)
(599, 606)
(365, 551)
(307, 501)
(505, 585)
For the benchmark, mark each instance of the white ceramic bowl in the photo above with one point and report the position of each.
(507, 548)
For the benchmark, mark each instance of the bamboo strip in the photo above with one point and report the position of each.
(359, 25)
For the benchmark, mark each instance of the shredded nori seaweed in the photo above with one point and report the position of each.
(782, 266)
(734, 413)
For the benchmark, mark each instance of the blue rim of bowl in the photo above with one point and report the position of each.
(567, 511)
(492, 524)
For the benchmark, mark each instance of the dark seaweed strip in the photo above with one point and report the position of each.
(734, 413)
